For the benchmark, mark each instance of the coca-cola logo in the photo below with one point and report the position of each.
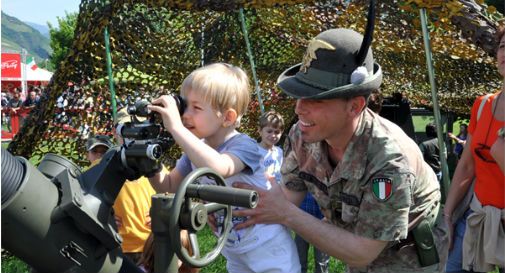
(11, 64)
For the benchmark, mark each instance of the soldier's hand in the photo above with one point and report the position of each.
(271, 208)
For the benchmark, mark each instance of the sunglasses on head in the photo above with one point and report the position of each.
(501, 132)
(483, 152)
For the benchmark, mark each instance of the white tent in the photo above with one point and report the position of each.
(39, 74)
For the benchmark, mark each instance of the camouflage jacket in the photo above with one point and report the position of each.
(380, 186)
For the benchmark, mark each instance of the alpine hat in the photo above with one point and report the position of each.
(331, 68)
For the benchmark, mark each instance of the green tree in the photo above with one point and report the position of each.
(61, 38)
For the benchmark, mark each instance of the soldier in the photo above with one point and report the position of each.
(379, 198)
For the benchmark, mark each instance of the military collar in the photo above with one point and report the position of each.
(353, 163)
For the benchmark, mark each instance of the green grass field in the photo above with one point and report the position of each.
(206, 239)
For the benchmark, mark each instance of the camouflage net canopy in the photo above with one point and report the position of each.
(155, 44)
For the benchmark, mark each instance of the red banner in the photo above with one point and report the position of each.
(11, 65)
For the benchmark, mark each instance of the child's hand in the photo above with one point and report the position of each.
(167, 107)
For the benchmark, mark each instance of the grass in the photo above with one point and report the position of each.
(421, 121)
(11, 264)
(206, 240)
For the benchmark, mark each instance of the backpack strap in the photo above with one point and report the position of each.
(481, 106)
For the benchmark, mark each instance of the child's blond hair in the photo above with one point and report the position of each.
(271, 118)
(222, 85)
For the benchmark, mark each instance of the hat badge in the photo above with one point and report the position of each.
(310, 54)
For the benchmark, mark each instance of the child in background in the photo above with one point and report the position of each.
(217, 97)
(271, 126)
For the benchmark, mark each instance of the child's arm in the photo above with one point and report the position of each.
(200, 154)
(166, 182)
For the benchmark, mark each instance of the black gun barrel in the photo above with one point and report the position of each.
(223, 195)
(30, 230)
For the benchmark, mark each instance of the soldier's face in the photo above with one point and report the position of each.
(322, 119)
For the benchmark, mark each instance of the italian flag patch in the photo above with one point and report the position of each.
(382, 188)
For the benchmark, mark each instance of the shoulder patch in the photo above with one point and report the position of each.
(382, 188)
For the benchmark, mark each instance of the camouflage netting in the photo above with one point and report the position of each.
(155, 44)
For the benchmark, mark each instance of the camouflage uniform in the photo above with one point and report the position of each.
(378, 153)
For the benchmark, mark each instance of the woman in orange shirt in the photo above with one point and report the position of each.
(488, 203)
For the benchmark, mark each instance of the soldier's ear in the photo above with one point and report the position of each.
(357, 105)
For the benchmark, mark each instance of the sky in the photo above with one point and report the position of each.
(39, 11)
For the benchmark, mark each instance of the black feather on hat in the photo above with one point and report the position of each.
(338, 63)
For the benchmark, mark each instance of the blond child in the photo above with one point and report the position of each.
(217, 97)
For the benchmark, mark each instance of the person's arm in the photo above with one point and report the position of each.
(165, 181)
(281, 205)
(200, 154)
(462, 179)
(498, 150)
(456, 138)
(452, 136)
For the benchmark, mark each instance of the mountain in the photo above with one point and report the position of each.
(43, 29)
(17, 35)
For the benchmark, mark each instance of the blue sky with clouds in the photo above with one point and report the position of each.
(39, 11)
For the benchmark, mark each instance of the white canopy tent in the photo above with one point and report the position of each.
(32, 76)
(39, 75)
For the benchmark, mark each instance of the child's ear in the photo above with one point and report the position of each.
(230, 117)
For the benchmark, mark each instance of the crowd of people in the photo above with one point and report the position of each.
(12, 102)
(347, 181)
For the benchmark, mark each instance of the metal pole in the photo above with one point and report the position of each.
(109, 72)
(436, 109)
(24, 86)
(202, 45)
(251, 60)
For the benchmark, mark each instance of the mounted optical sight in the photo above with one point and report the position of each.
(144, 137)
